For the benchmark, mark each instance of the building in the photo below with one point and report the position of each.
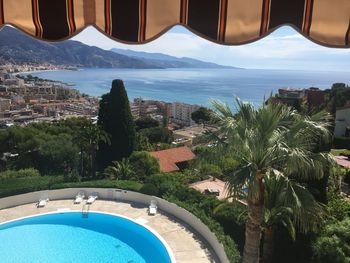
(186, 135)
(14, 82)
(143, 108)
(342, 121)
(291, 93)
(212, 186)
(5, 104)
(181, 113)
(135, 111)
(315, 98)
(174, 159)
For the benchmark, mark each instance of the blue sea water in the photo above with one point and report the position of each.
(71, 238)
(196, 86)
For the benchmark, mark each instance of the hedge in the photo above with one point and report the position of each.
(105, 183)
(29, 172)
(15, 186)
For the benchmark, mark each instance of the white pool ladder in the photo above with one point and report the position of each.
(85, 210)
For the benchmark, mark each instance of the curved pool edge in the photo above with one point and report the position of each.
(213, 248)
(154, 232)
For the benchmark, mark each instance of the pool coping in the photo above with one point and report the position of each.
(154, 232)
(215, 251)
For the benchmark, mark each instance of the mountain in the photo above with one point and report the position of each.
(17, 48)
(168, 61)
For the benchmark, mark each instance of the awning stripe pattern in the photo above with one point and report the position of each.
(347, 38)
(2, 20)
(222, 21)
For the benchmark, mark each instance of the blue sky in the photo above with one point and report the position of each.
(283, 49)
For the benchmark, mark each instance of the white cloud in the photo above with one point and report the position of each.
(284, 48)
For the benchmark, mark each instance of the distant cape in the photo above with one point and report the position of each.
(168, 61)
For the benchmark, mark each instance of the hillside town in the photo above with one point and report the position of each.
(25, 99)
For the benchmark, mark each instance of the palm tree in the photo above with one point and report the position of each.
(89, 139)
(288, 204)
(119, 170)
(273, 139)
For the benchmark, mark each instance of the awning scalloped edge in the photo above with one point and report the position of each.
(228, 22)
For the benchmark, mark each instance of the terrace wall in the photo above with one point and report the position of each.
(127, 196)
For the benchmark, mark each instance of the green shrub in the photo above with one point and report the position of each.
(149, 189)
(58, 155)
(105, 183)
(15, 186)
(164, 182)
(210, 169)
(143, 165)
(145, 123)
(29, 172)
(158, 134)
(333, 245)
(232, 217)
(338, 208)
(345, 153)
(227, 165)
(72, 176)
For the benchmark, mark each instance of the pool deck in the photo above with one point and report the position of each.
(185, 245)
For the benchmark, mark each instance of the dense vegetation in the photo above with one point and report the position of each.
(267, 149)
(116, 120)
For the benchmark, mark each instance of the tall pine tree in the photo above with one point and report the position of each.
(116, 119)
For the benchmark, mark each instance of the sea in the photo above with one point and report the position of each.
(196, 86)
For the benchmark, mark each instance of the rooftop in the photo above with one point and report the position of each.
(212, 184)
(168, 159)
(342, 161)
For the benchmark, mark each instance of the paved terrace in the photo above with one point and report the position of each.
(186, 245)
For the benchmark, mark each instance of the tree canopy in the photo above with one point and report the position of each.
(268, 141)
(116, 119)
(145, 122)
(200, 116)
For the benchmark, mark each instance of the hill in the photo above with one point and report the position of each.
(18, 48)
(168, 61)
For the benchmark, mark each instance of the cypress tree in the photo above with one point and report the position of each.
(116, 119)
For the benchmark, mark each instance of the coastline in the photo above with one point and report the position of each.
(39, 71)
(195, 86)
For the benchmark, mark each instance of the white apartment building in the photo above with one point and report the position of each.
(342, 122)
(181, 113)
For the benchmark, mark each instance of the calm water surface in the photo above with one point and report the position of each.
(71, 238)
(196, 86)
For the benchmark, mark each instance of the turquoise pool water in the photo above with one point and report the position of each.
(70, 237)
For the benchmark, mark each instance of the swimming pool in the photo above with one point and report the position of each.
(71, 237)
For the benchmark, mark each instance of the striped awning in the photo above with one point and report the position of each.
(232, 22)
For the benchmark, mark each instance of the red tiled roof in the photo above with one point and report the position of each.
(342, 161)
(170, 157)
